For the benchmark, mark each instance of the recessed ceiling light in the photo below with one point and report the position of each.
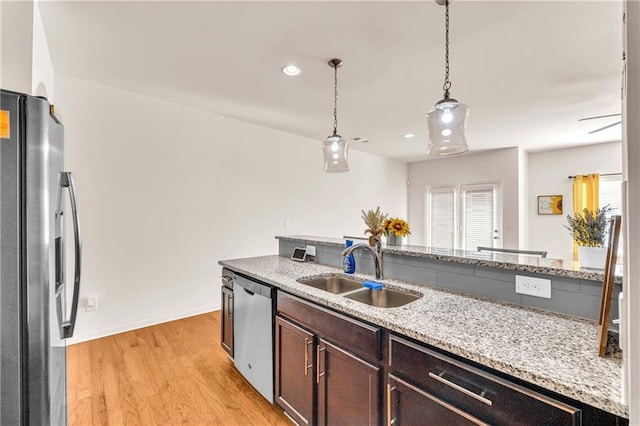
(291, 70)
(409, 135)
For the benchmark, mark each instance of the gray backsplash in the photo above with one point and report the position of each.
(569, 296)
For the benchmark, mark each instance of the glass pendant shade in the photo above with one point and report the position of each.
(447, 125)
(336, 150)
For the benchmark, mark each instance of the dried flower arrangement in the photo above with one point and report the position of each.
(589, 227)
(374, 220)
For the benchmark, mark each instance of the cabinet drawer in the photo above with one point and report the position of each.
(360, 338)
(488, 397)
(409, 405)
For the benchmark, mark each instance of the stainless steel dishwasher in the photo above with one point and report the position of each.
(253, 333)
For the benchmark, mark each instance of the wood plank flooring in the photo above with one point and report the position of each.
(174, 373)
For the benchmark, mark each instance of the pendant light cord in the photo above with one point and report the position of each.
(447, 84)
(335, 101)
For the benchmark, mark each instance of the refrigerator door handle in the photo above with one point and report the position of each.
(67, 327)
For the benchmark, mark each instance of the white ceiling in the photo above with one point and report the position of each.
(527, 69)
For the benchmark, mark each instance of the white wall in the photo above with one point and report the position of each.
(16, 41)
(25, 62)
(166, 191)
(492, 166)
(42, 75)
(548, 175)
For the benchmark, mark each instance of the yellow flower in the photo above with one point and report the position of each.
(399, 227)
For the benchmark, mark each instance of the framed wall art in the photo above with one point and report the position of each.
(550, 204)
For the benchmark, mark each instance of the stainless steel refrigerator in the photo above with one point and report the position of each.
(38, 299)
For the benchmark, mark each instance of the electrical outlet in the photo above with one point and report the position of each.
(538, 287)
(311, 250)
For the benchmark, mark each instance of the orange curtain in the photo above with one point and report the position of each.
(585, 196)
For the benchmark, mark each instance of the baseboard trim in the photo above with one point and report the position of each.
(140, 324)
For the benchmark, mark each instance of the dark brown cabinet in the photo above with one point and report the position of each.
(348, 388)
(410, 405)
(226, 319)
(471, 394)
(328, 366)
(294, 371)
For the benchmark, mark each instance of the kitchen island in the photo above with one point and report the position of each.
(553, 351)
(575, 291)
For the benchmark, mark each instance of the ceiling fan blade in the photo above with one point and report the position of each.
(605, 127)
(598, 116)
(359, 139)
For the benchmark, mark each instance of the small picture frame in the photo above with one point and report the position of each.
(550, 204)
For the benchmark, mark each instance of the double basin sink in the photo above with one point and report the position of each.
(353, 289)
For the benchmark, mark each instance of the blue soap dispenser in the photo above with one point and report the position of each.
(349, 262)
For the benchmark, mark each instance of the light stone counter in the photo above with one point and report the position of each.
(523, 263)
(553, 351)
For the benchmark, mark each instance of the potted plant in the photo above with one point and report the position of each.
(374, 220)
(395, 229)
(588, 230)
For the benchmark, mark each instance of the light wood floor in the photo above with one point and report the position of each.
(168, 374)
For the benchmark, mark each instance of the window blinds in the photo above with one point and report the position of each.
(610, 193)
(478, 217)
(442, 224)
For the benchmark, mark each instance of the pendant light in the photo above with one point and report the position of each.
(335, 148)
(447, 121)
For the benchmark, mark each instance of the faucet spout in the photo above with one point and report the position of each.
(375, 253)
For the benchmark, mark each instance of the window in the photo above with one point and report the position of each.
(479, 217)
(441, 217)
(610, 193)
(463, 217)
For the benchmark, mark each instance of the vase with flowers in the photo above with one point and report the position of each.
(374, 220)
(395, 229)
(588, 230)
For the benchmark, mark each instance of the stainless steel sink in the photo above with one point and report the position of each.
(385, 298)
(333, 283)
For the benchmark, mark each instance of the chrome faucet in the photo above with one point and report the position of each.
(376, 253)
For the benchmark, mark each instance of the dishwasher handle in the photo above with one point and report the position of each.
(253, 287)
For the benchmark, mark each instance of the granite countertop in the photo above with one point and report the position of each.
(553, 351)
(516, 262)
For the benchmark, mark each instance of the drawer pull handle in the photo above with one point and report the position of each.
(390, 419)
(307, 366)
(461, 389)
(318, 373)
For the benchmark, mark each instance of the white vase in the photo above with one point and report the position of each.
(393, 240)
(592, 257)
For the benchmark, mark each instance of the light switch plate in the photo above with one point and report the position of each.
(91, 304)
(538, 287)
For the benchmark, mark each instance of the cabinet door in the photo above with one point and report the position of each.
(294, 371)
(348, 388)
(409, 405)
(227, 320)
